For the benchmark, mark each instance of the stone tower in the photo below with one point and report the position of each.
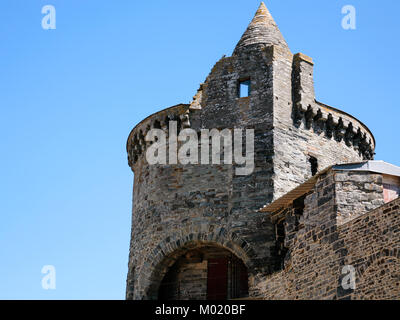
(197, 231)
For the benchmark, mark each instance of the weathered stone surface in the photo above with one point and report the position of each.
(177, 208)
(324, 242)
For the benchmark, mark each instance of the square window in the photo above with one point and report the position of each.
(244, 88)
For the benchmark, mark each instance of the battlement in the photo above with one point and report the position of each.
(321, 118)
(136, 144)
(337, 125)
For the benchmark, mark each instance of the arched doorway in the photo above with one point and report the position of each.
(207, 272)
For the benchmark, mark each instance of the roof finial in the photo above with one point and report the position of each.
(262, 29)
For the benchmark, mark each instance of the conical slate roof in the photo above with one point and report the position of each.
(262, 29)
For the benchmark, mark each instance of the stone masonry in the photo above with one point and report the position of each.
(180, 208)
(326, 236)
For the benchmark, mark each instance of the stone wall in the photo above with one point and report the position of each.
(357, 193)
(186, 279)
(321, 247)
(372, 246)
(203, 209)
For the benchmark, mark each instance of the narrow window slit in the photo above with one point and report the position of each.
(314, 165)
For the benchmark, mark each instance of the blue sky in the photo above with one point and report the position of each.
(69, 98)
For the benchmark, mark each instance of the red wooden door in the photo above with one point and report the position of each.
(217, 279)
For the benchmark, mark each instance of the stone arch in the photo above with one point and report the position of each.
(171, 248)
(379, 279)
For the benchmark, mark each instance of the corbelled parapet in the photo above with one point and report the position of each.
(320, 117)
(137, 145)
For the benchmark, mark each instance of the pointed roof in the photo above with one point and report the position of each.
(262, 29)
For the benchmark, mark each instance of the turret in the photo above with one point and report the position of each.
(196, 229)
